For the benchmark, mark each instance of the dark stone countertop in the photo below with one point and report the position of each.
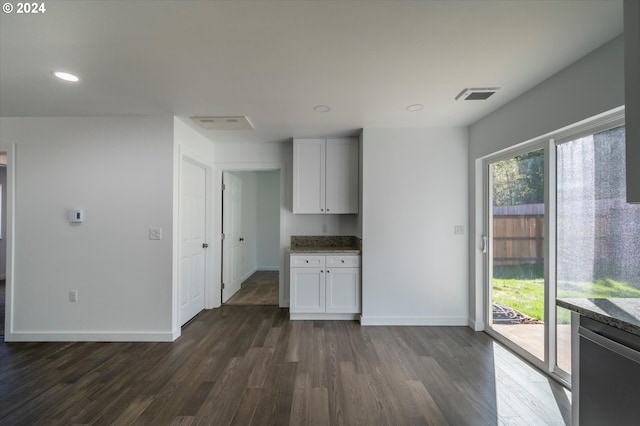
(620, 313)
(325, 244)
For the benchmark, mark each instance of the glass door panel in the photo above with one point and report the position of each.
(517, 234)
(598, 233)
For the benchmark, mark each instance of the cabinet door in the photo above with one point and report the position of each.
(309, 176)
(307, 290)
(343, 290)
(342, 194)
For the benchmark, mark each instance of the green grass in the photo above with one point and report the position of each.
(526, 294)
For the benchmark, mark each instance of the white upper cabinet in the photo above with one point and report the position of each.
(325, 176)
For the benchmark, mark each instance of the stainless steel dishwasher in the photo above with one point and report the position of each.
(609, 372)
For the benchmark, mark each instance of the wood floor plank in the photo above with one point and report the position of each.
(250, 365)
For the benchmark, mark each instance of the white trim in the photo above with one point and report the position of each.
(268, 268)
(321, 316)
(81, 336)
(248, 274)
(476, 325)
(412, 321)
(11, 245)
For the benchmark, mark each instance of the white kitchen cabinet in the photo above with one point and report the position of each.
(307, 290)
(328, 291)
(325, 176)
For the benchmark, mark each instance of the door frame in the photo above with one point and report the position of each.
(214, 295)
(10, 150)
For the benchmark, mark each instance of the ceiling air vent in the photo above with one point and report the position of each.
(476, 94)
(239, 122)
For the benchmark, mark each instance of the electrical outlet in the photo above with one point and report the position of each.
(458, 229)
(73, 296)
(155, 233)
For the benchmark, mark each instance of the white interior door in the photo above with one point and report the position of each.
(193, 209)
(231, 228)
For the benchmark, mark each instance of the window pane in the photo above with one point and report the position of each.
(598, 233)
(518, 250)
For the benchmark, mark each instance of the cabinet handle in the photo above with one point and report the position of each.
(342, 261)
(327, 209)
(321, 271)
(307, 261)
(328, 271)
(321, 210)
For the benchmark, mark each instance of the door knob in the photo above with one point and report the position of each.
(241, 239)
(205, 245)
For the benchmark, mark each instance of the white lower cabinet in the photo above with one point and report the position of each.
(325, 287)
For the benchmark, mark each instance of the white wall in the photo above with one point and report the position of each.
(268, 221)
(588, 87)
(414, 269)
(117, 169)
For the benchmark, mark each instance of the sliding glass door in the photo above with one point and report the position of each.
(558, 225)
(516, 240)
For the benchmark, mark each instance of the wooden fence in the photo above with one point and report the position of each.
(518, 239)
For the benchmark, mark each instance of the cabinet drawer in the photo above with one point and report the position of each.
(343, 261)
(307, 262)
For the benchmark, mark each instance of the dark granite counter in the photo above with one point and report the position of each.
(620, 313)
(325, 244)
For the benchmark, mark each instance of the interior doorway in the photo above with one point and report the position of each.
(251, 237)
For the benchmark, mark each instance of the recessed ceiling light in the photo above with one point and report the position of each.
(65, 76)
(415, 107)
(321, 108)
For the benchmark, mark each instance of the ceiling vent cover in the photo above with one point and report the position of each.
(476, 94)
(239, 122)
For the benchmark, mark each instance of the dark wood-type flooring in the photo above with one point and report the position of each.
(250, 365)
(261, 288)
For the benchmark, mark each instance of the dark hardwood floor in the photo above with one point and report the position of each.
(250, 365)
(261, 288)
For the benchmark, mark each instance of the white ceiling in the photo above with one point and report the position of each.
(273, 61)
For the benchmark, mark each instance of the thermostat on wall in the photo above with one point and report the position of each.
(76, 216)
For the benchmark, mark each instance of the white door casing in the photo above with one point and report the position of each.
(231, 226)
(193, 209)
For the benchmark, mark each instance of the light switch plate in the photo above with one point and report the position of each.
(458, 229)
(155, 233)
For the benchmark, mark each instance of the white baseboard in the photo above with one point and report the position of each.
(248, 274)
(81, 336)
(268, 268)
(321, 316)
(476, 325)
(414, 321)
